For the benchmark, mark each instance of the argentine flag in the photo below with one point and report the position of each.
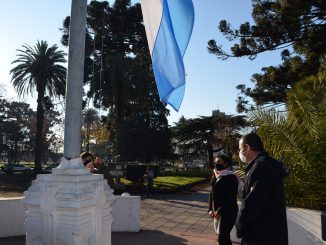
(168, 25)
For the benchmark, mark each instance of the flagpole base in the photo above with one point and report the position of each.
(68, 207)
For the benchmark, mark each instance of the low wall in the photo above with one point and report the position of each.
(12, 216)
(304, 225)
(125, 213)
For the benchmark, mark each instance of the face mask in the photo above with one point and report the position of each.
(219, 166)
(242, 157)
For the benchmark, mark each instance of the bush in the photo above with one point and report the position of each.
(189, 173)
(136, 172)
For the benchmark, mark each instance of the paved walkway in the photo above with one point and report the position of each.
(179, 219)
(185, 213)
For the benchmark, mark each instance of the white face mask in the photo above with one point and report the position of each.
(242, 157)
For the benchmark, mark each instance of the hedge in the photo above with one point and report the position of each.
(136, 172)
(189, 173)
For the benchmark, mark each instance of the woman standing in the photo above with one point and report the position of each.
(222, 203)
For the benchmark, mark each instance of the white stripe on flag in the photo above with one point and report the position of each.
(168, 26)
(152, 15)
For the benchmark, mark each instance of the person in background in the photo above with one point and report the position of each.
(100, 168)
(88, 160)
(99, 164)
(262, 215)
(222, 204)
(149, 180)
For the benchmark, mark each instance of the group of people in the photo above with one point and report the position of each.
(261, 218)
(96, 166)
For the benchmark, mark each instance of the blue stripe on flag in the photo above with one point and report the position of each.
(170, 45)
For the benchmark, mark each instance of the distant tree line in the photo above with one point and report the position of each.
(17, 134)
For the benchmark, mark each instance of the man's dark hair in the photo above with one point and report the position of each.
(254, 141)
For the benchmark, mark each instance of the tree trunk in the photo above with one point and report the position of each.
(120, 123)
(15, 151)
(210, 158)
(210, 154)
(87, 139)
(39, 134)
(88, 136)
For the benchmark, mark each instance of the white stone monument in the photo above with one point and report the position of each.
(70, 206)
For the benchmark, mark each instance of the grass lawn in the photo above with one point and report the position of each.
(27, 164)
(17, 183)
(171, 183)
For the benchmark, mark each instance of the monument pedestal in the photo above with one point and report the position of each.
(69, 207)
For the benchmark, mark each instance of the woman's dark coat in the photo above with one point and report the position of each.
(223, 197)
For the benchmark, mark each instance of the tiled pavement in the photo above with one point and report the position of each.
(179, 219)
(177, 213)
(172, 219)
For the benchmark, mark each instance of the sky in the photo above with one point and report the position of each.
(210, 82)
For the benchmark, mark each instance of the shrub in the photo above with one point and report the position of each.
(136, 172)
(189, 173)
(298, 139)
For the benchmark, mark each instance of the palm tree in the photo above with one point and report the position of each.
(298, 138)
(39, 68)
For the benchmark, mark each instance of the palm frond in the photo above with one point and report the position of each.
(39, 67)
(298, 138)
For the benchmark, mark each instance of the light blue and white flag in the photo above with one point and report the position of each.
(168, 25)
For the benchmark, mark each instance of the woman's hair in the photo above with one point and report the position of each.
(226, 159)
(87, 154)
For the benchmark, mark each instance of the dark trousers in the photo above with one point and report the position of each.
(149, 189)
(226, 224)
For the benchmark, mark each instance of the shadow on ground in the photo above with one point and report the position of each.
(17, 240)
(146, 237)
(121, 238)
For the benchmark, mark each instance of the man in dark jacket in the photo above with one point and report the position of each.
(100, 168)
(262, 215)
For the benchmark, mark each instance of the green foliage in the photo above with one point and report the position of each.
(15, 123)
(136, 173)
(189, 173)
(39, 68)
(279, 24)
(272, 86)
(298, 138)
(90, 120)
(53, 140)
(120, 77)
(171, 183)
(174, 183)
(204, 134)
